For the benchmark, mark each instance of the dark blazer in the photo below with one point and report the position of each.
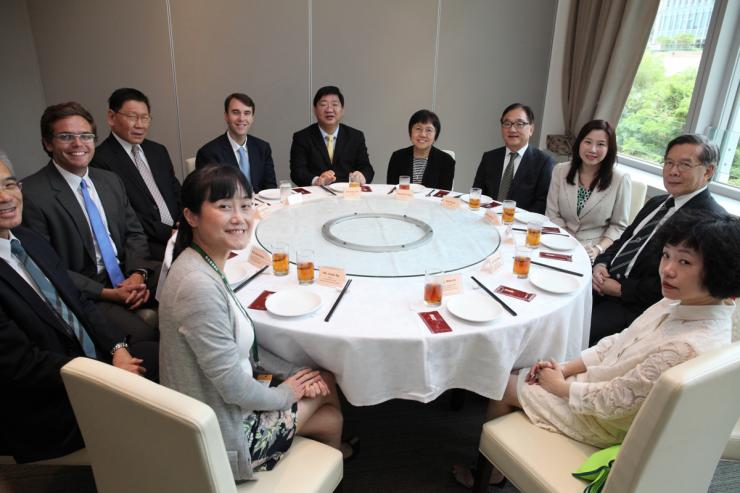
(51, 209)
(261, 167)
(531, 181)
(642, 288)
(309, 157)
(439, 173)
(37, 419)
(110, 156)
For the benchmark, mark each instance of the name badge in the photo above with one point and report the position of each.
(404, 194)
(264, 378)
(332, 277)
(492, 263)
(451, 284)
(492, 218)
(259, 258)
(352, 193)
(450, 203)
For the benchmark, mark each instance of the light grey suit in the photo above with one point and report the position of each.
(605, 214)
(200, 356)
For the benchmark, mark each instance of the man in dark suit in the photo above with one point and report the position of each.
(517, 171)
(329, 151)
(144, 166)
(625, 276)
(247, 152)
(44, 323)
(86, 216)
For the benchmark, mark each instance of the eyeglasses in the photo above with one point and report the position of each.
(519, 124)
(10, 186)
(683, 166)
(69, 137)
(132, 118)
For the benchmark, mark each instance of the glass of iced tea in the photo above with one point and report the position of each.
(474, 199)
(433, 287)
(404, 182)
(285, 191)
(534, 233)
(509, 207)
(522, 260)
(280, 259)
(354, 181)
(304, 264)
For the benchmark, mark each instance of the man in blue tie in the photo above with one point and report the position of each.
(44, 323)
(235, 147)
(86, 216)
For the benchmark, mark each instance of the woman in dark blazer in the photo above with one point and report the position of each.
(423, 162)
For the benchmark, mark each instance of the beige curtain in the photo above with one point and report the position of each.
(605, 43)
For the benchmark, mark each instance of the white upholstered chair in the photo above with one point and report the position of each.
(639, 190)
(674, 443)
(145, 437)
(189, 165)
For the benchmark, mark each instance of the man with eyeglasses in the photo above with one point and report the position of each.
(625, 277)
(144, 166)
(517, 171)
(329, 151)
(46, 322)
(235, 147)
(86, 216)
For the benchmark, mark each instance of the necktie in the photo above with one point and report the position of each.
(503, 189)
(53, 299)
(102, 238)
(244, 163)
(151, 185)
(330, 147)
(621, 262)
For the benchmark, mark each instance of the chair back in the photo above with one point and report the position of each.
(143, 436)
(190, 166)
(677, 437)
(451, 153)
(639, 190)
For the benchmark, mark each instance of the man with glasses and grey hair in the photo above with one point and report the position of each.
(517, 171)
(86, 216)
(625, 277)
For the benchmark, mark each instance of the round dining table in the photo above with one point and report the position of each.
(376, 342)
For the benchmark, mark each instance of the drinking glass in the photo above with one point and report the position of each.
(474, 199)
(433, 287)
(285, 191)
(404, 182)
(305, 265)
(522, 260)
(534, 233)
(509, 207)
(280, 259)
(354, 181)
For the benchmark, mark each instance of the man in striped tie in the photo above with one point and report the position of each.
(625, 277)
(44, 323)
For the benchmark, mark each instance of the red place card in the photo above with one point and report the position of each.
(550, 229)
(557, 256)
(259, 301)
(301, 190)
(491, 205)
(515, 293)
(366, 188)
(434, 322)
(440, 193)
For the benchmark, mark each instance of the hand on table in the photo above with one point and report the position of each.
(326, 178)
(359, 176)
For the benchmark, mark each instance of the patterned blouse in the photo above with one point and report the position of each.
(583, 196)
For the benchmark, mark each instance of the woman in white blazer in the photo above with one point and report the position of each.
(588, 196)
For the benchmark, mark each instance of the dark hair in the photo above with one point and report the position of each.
(514, 106)
(246, 100)
(709, 152)
(120, 96)
(210, 183)
(326, 91)
(715, 237)
(57, 112)
(426, 116)
(604, 176)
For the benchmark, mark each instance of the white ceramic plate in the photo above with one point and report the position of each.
(484, 199)
(236, 272)
(417, 187)
(339, 186)
(474, 307)
(523, 216)
(557, 242)
(552, 281)
(293, 302)
(270, 194)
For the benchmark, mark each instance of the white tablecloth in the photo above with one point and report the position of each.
(379, 349)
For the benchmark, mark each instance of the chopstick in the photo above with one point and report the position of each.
(493, 295)
(392, 190)
(339, 298)
(430, 193)
(247, 281)
(263, 202)
(557, 268)
(328, 189)
(544, 232)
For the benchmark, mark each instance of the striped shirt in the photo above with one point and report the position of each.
(419, 164)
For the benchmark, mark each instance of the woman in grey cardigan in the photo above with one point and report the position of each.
(207, 343)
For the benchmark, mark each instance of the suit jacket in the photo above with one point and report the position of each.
(642, 288)
(37, 419)
(111, 156)
(605, 213)
(309, 157)
(52, 210)
(531, 181)
(439, 173)
(261, 167)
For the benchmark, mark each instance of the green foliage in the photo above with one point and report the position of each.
(735, 169)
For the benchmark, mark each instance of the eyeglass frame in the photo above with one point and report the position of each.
(519, 124)
(133, 118)
(683, 166)
(70, 137)
(10, 184)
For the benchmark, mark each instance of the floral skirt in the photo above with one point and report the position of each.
(269, 435)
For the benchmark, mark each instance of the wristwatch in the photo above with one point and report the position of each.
(144, 273)
(598, 247)
(120, 345)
